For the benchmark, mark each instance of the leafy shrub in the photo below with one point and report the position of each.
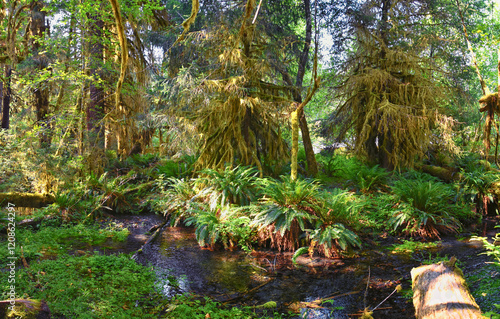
(358, 175)
(177, 168)
(476, 186)
(340, 205)
(373, 211)
(424, 208)
(329, 165)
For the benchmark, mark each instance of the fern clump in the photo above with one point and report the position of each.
(226, 225)
(425, 209)
(237, 185)
(177, 200)
(295, 213)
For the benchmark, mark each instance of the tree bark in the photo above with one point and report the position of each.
(1, 95)
(95, 107)
(312, 165)
(6, 98)
(440, 291)
(38, 30)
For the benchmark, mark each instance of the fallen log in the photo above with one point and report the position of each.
(443, 173)
(440, 291)
(33, 200)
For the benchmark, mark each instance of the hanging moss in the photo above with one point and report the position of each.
(390, 101)
(237, 109)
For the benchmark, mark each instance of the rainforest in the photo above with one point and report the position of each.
(249, 159)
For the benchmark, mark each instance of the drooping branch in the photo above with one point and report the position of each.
(195, 7)
(123, 46)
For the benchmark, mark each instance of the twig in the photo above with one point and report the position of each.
(367, 286)
(392, 293)
(156, 233)
(257, 12)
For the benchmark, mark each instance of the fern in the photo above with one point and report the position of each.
(237, 185)
(424, 209)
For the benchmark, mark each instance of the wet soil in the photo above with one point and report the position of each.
(346, 285)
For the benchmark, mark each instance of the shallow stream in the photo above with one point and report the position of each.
(237, 278)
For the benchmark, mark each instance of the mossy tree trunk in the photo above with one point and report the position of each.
(7, 92)
(95, 107)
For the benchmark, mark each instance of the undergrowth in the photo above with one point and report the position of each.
(93, 286)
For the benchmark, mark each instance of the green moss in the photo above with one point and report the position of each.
(51, 241)
(484, 284)
(410, 246)
(89, 287)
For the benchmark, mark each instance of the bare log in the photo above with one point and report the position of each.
(440, 291)
(25, 199)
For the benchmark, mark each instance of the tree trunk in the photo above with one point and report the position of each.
(312, 165)
(38, 29)
(440, 291)
(6, 98)
(95, 107)
(1, 95)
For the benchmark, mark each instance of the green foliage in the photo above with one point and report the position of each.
(410, 246)
(340, 205)
(425, 208)
(331, 236)
(237, 185)
(110, 193)
(329, 165)
(354, 173)
(485, 285)
(172, 168)
(476, 187)
(296, 212)
(227, 225)
(479, 181)
(178, 200)
(492, 249)
(187, 307)
(92, 286)
(370, 178)
(288, 207)
(51, 241)
(374, 211)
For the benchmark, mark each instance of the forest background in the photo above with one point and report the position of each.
(214, 113)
